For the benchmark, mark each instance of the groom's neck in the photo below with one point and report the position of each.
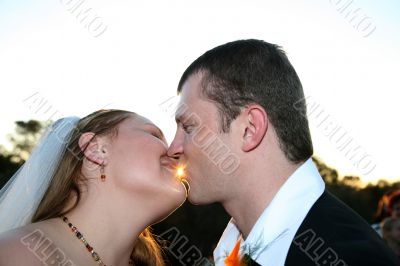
(254, 191)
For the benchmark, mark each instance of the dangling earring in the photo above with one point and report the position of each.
(103, 175)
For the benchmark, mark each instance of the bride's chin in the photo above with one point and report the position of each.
(179, 188)
(180, 193)
(176, 200)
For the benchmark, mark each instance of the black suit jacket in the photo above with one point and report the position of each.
(334, 235)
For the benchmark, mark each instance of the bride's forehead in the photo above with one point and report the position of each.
(137, 121)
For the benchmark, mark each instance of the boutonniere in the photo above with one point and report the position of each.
(248, 252)
(236, 259)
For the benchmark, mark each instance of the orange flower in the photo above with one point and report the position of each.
(234, 259)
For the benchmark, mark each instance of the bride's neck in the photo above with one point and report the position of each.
(109, 227)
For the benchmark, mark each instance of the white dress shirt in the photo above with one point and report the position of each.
(276, 227)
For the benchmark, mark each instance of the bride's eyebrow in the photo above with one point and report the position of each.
(157, 129)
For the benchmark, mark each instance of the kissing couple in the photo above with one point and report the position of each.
(93, 185)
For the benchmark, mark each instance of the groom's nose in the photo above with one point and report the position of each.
(176, 148)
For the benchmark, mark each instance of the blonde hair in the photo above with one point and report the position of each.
(68, 179)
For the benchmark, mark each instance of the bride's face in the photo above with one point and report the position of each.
(140, 168)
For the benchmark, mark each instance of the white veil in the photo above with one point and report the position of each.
(20, 197)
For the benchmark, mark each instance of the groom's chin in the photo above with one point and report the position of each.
(196, 200)
(192, 199)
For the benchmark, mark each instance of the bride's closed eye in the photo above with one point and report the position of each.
(154, 131)
(156, 134)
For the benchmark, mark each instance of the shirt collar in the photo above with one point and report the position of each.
(285, 213)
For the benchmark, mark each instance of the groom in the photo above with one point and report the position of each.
(243, 135)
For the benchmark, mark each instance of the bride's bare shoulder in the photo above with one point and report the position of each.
(20, 246)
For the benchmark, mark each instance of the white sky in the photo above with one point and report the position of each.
(137, 62)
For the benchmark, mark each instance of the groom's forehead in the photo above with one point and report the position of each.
(192, 87)
(183, 114)
(193, 102)
(187, 112)
(186, 105)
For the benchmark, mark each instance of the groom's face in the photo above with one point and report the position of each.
(199, 143)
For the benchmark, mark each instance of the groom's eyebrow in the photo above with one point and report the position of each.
(179, 118)
(186, 117)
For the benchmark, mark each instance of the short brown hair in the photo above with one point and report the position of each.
(253, 71)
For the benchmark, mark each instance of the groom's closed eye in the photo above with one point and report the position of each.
(187, 122)
(188, 128)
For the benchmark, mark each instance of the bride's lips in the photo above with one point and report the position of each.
(179, 170)
(169, 162)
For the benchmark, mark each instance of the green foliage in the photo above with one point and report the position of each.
(7, 166)
(350, 189)
(23, 141)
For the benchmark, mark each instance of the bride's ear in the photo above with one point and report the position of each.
(93, 148)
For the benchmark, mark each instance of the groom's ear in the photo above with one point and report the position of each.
(255, 126)
(93, 148)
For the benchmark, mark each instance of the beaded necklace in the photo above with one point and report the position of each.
(89, 248)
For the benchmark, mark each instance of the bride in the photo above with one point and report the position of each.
(88, 193)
